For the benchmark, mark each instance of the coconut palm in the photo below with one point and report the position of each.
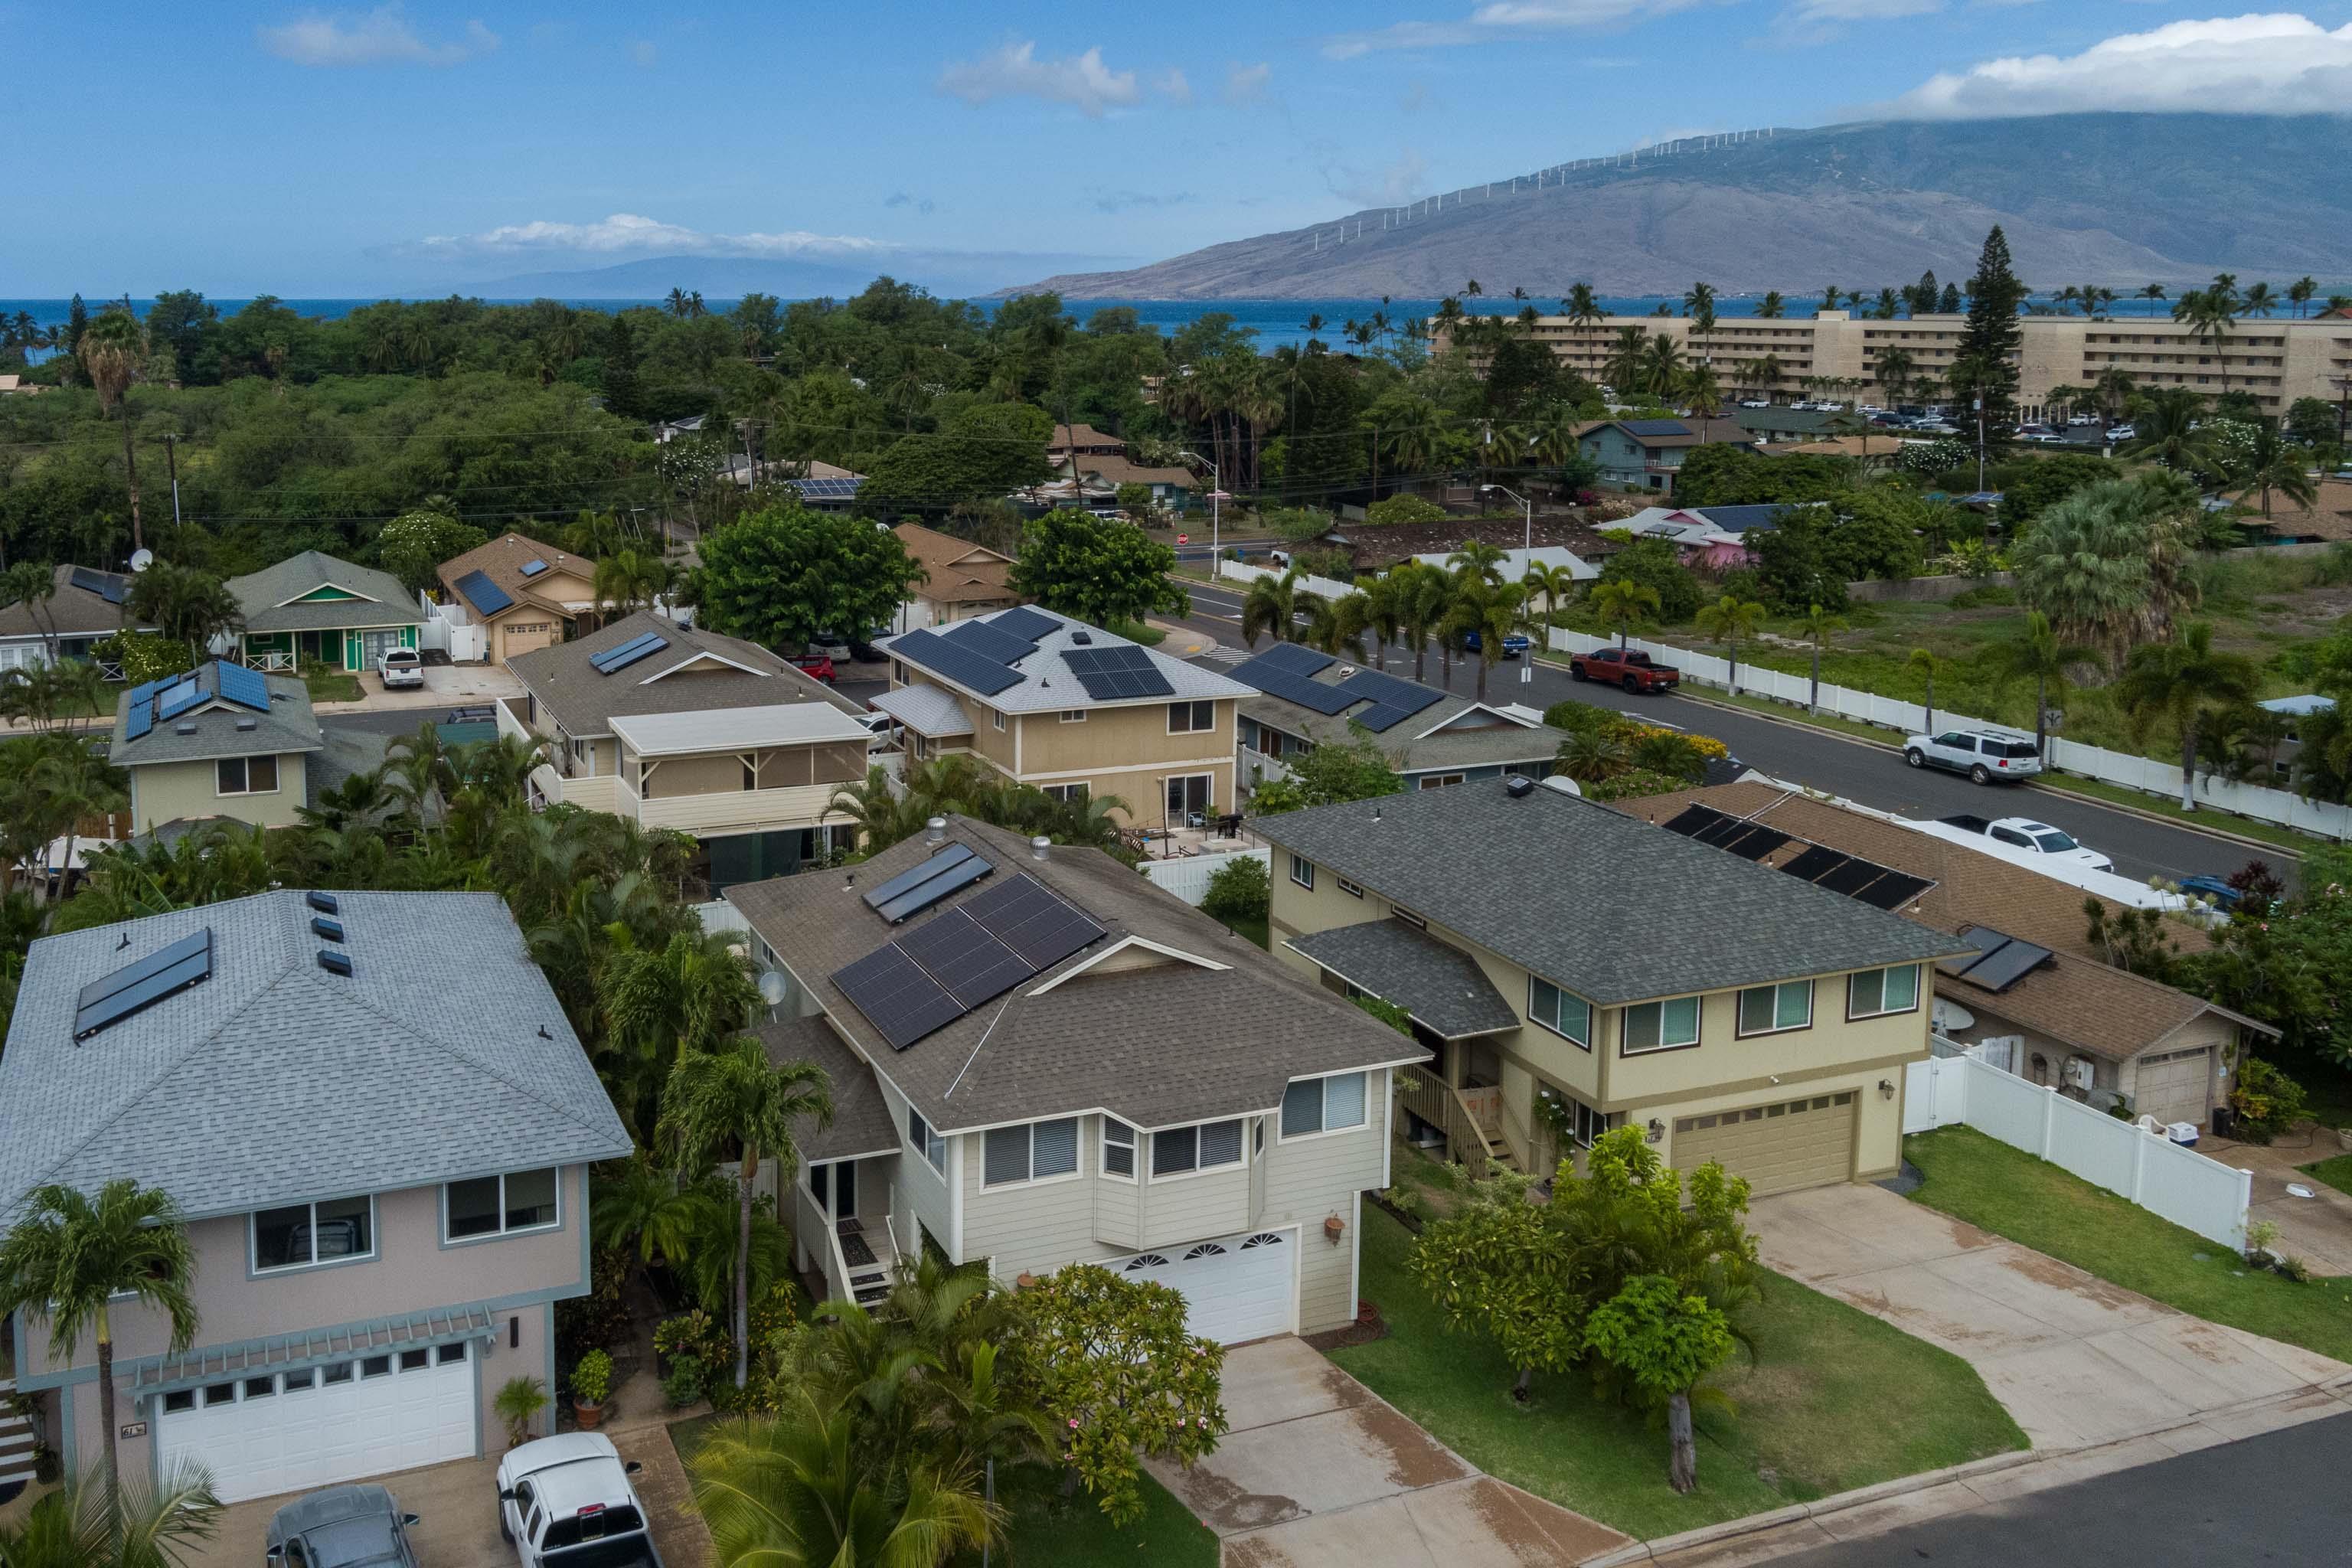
(732, 1101)
(1819, 625)
(2039, 655)
(143, 1527)
(2260, 300)
(2299, 294)
(2188, 685)
(1661, 368)
(2113, 390)
(1698, 304)
(1478, 558)
(2271, 462)
(2166, 429)
(1335, 626)
(1490, 613)
(1772, 307)
(1272, 605)
(1624, 365)
(1726, 622)
(1549, 439)
(1382, 614)
(1581, 308)
(2151, 293)
(657, 1005)
(1423, 593)
(112, 350)
(631, 579)
(1548, 588)
(69, 1259)
(1702, 390)
(1623, 603)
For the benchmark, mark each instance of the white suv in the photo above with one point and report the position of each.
(1987, 757)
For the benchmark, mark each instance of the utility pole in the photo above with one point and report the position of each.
(171, 457)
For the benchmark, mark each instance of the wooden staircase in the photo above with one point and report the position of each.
(15, 1443)
(872, 1257)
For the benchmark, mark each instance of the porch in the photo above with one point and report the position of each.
(846, 1242)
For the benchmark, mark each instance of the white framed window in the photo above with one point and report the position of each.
(1332, 1104)
(1073, 715)
(1772, 1009)
(1033, 1151)
(1212, 1145)
(932, 1147)
(1302, 871)
(1661, 1026)
(1873, 993)
(1191, 718)
(1071, 794)
(507, 1205)
(1351, 889)
(246, 776)
(996, 717)
(1564, 1013)
(1440, 781)
(1117, 1149)
(303, 1235)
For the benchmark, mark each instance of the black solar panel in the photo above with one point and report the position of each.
(1296, 657)
(1397, 699)
(1022, 621)
(1893, 890)
(1984, 939)
(915, 876)
(1034, 920)
(1754, 844)
(964, 666)
(1814, 863)
(2005, 965)
(484, 595)
(828, 489)
(1117, 674)
(108, 585)
(897, 997)
(1312, 695)
(137, 986)
(1852, 878)
(922, 896)
(1694, 817)
(965, 958)
(987, 641)
(1721, 833)
(1379, 718)
(627, 653)
(1657, 428)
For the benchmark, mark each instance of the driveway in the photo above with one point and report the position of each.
(445, 686)
(2317, 1229)
(2075, 1359)
(1319, 1472)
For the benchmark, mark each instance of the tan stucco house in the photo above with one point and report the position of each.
(961, 579)
(524, 594)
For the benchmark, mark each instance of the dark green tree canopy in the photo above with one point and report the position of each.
(1097, 571)
(1653, 563)
(782, 575)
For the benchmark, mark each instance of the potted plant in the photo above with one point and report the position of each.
(518, 1403)
(592, 1381)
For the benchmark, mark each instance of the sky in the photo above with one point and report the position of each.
(420, 146)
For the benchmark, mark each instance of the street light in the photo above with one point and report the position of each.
(1527, 507)
(1216, 494)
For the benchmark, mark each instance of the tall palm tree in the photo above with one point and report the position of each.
(730, 1100)
(630, 579)
(1423, 595)
(34, 585)
(1624, 365)
(1384, 613)
(1491, 614)
(1698, 304)
(70, 1259)
(2260, 300)
(2187, 684)
(691, 993)
(2112, 391)
(1702, 391)
(2151, 293)
(1478, 561)
(1661, 368)
(1550, 438)
(1581, 308)
(144, 1526)
(2164, 424)
(1829, 297)
(1726, 622)
(2271, 462)
(1894, 367)
(1549, 588)
(1272, 606)
(1772, 307)
(2299, 293)
(2041, 656)
(1623, 603)
(112, 350)
(1336, 627)
(1819, 625)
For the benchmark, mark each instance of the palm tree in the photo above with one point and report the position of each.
(1624, 603)
(1894, 367)
(1624, 365)
(629, 579)
(1818, 625)
(2112, 391)
(34, 585)
(1581, 308)
(1924, 662)
(184, 603)
(1423, 593)
(2271, 462)
(1551, 586)
(1661, 368)
(112, 350)
(1772, 308)
(69, 1259)
(1272, 605)
(1382, 614)
(2151, 293)
(1550, 438)
(1594, 756)
(1698, 304)
(2040, 656)
(1335, 626)
(142, 1527)
(2164, 424)
(1479, 561)
(1490, 613)
(2299, 294)
(1829, 297)
(2259, 300)
(691, 993)
(1702, 391)
(1726, 621)
(2187, 684)
(731, 1099)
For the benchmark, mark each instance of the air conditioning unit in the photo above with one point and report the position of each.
(2078, 1073)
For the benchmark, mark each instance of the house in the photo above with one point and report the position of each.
(1039, 1058)
(523, 593)
(318, 610)
(2327, 519)
(1576, 969)
(674, 726)
(224, 741)
(1083, 440)
(1778, 424)
(84, 610)
(2035, 994)
(1076, 711)
(1716, 537)
(2293, 710)
(1516, 563)
(377, 1122)
(827, 488)
(1431, 738)
(1097, 474)
(1642, 454)
(959, 579)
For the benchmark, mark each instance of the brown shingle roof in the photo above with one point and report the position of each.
(585, 702)
(70, 612)
(1119, 471)
(960, 573)
(1080, 438)
(502, 560)
(2329, 516)
(862, 1122)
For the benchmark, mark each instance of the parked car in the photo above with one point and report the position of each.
(816, 665)
(343, 1527)
(566, 1502)
(1984, 756)
(2084, 419)
(1513, 644)
(830, 645)
(2212, 888)
(2041, 438)
(1755, 403)
(2033, 838)
(400, 667)
(1632, 670)
(877, 724)
(2122, 432)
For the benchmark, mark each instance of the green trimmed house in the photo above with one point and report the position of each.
(317, 609)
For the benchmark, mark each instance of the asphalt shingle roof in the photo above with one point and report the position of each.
(1048, 684)
(862, 1122)
(263, 596)
(585, 702)
(443, 1055)
(289, 726)
(1610, 907)
(70, 612)
(1441, 985)
(1404, 742)
(502, 559)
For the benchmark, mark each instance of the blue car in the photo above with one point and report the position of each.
(2212, 888)
(1513, 645)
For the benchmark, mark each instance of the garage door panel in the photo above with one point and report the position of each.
(1235, 1288)
(2174, 1088)
(1778, 1147)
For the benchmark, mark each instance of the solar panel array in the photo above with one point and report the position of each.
(628, 653)
(484, 595)
(914, 901)
(827, 490)
(1393, 699)
(1657, 428)
(135, 987)
(1866, 881)
(989, 642)
(1021, 621)
(2000, 962)
(951, 661)
(964, 957)
(1284, 671)
(1755, 843)
(533, 568)
(246, 688)
(111, 586)
(1116, 674)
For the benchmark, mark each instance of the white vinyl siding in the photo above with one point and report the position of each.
(1307, 1181)
(922, 1191)
(1032, 1227)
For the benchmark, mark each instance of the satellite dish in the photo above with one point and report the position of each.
(141, 559)
(774, 988)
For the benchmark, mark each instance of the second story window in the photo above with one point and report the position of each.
(1302, 871)
(996, 717)
(1769, 1009)
(1562, 1012)
(1191, 718)
(1872, 993)
(1073, 715)
(1030, 1152)
(302, 1234)
(933, 1147)
(1117, 1148)
(500, 1205)
(246, 776)
(1208, 1147)
(1661, 1026)
(1332, 1104)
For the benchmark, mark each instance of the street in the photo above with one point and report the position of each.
(1821, 760)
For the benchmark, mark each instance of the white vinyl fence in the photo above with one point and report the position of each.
(447, 630)
(2258, 802)
(1330, 587)
(2150, 1170)
(1188, 876)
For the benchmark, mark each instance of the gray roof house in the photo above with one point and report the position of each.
(377, 1122)
(322, 610)
(85, 608)
(1040, 1059)
(223, 741)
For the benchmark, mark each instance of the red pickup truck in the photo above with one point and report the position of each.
(1622, 667)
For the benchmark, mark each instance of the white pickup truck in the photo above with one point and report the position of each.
(566, 1502)
(2031, 837)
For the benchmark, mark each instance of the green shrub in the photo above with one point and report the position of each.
(1404, 509)
(683, 1387)
(1387, 1012)
(1296, 523)
(1238, 890)
(2267, 1102)
(1332, 563)
(592, 1380)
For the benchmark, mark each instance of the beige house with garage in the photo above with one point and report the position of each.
(1039, 1058)
(524, 594)
(1574, 969)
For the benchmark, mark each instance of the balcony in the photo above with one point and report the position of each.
(724, 811)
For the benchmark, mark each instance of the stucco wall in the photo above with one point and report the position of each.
(167, 792)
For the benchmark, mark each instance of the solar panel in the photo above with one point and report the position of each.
(1693, 818)
(533, 568)
(1984, 939)
(1754, 844)
(1724, 832)
(963, 666)
(2005, 965)
(138, 719)
(1893, 890)
(1814, 863)
(1034, 920)
(1657, 428)
(1379, 718)
(1117, 674)
(246, 688)
(916, 875)
(484, 595)
(147, 690)
(989, 643)
(107, 586)
(897, 997)
(1396, 698)
(619, 658)
(1296, 658)
(178, 699)
(1312, 695)
(1022, 621)
(135, 987)
(1852, 878)
(915, 900)
(828, 489)
(968, 960)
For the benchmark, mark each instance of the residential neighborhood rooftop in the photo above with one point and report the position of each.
(86, 603)
(1319, 698)
(280, 598)
(511, 565)
(727, 673)
(216, 709)
(1030, 660)
(783, 724)
(956, 571)
(1440, 986)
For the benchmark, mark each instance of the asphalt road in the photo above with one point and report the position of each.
(2279, 1497)
(1873, 776)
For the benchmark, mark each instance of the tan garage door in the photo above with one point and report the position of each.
(2173, 1087)
(1778, 1147)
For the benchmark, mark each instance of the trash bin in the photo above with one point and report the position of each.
(2224, 1122)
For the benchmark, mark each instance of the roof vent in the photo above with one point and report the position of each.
(1038, 846)
(186, 727)
(322, 902)
(1518, 786)
(935, 831)
(1083, 638)
(248, 723)
(334, 963)
(332, 930)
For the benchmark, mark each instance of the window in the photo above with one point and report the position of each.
(246, 775)
(1398, 913)
(1030, 1152)
(296, 1382)
(1562, 1012)
(302, 1234)
(1584, 1123)
(447, 1354)
(1202, 1148)
(1323, 1104)
(2011, 835)
(934, 1148)
(336, 1372)
(1661, 1026)
(1191, 718)
(179, 1400)
(414, 1360)
(1351, 889)
(996, 716)
(1117, 1148)
(1073, 715)
(1769, 1009)
(499, 1206)
(1302, 871)
(260, 1387)
(1871, 993)
(1440, 781)
(376, 1366)
(220, 1394)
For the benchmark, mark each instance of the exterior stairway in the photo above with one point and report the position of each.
(873, 1260)
(15, 1443)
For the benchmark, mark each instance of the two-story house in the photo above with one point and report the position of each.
(1577, 969)
(673, 726)
(523, 593)
(1040, 1059)
(1644, 454)
(377, 1124)
(317, 609)
(1078, 712)
(224, 741)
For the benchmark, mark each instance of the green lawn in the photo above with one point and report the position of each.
(332, 685)
(1136, 632)
(2010, 1192)
(1813, 1415)
(1253, 927)
(2336, 1173)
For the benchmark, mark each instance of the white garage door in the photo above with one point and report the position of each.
(2175, 1087)
(294, 1431)
(1235, 1288)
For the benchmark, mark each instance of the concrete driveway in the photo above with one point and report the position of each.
(2317, 1229)
(1319, 1472)
(2075, 1359)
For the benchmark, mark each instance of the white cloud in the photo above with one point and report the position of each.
(1172, 85)
(1499, 18)
(1246, 84)
(625, 233)
(2275, 64)
(1829, 13)
(644, 53)
(381, 36)
(1403, 181)
(1014, 71)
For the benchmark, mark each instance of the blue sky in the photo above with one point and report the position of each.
(239, 147)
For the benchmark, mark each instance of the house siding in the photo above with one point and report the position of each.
(1311, 1180)
(1033, 1227)
(924, 1196)
(167, 792)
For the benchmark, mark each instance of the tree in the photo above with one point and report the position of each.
(183, 603)
(2270, 462)
(1726, 621)
(619, 375)
(1989, 342)
(2311, 420)
(692, 993)
(1272, 606)
(731, 1099)
(1334, 771)
(83, 1526)
(2037, 655)
(2108, 564)
(1797, 562)
(630, 579)
(35, 586)
(1653, 563)
(1665, 1342)
(2168, 425)
(69, 1259)
(412, 545)
(1624, 603)
(1082, 566)
(112, 350)
(785, 574)
(1490, 614)
(1818, 625)
(2188, 685)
